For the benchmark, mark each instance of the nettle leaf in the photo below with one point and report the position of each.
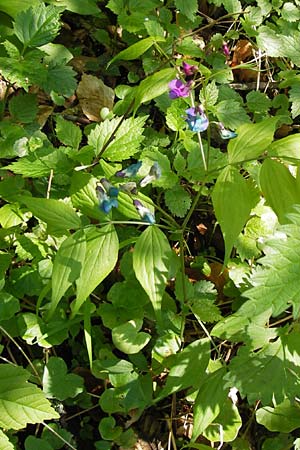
(23, 108)
(279, 188)
(233, 198)
(153, 86)
(189, 9)
(251, 141)
(68, 133)
(58, 216)
(231, 113)
(127, 337)
(188, 367)
(21, 402)
(277, 362)
(37, 25)
(209, 94)
(5, 444)
(101, 255)
(258, 102)
(57, 383)
(151, 259)
(178, 200)
(67, 266)
(126, 140)
(285, 417)
(277, 280)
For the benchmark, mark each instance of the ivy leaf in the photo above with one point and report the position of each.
(187, 368)
(178, 200)
(277, 362)
(127, 337)
(37, 25)
(57, 383)
(21, 402)
(231, 114)
(151, 259)
(233, 198)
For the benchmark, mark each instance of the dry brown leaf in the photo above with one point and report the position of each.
(93, 95)
(44, 111)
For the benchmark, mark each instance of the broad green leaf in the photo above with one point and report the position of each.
(272, 374)
(67, 266)
(294, 95)
(13, 7)
(178, 200)
(21, 402)
(5, 444)
(275, 282)
(189, 9)
(209, 402)
(100, 259)
(288, 147)
(84, 7)
(258, 102)
(269, 41)
(232, 6)
(135, 50)
(233, 198)
(10, 215)
(153, 86)
(83, 194)
(188, 367)
(9, 305)
(128, 338)
(108, 429)
(226, 425)
(68, 133)
(285, 417)
(232, 114)
(60, 78)
(58, 216)
(279, 188)
(126, 137)
(252, 140)
(57, 383)
(34, 443)
(23, 108)
(175, 118)
(151, 258)
(37, 25)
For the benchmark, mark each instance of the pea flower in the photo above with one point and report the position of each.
(179, 89)
(225, 48)
(107, 195)
(224, 133)
(189, 69)
(145, 213)
(196, 119)
(130, 171)
(154, 174)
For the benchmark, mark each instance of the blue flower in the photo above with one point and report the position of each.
(196, 119)
(107, 195)
(226, 134)
(154, 174)
(145, 213)
(130, 171)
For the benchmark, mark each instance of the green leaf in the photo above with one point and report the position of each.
(178, 200)
(126, 140)
(209, 94)
(288, 147)
(84, 7)
(58, 216)
(175, 112)
(227, 424)
(272, 373)
(209, 402)
(21, 402)
(37, 25)
(290, 12)
(188, 367)
(57, 383)
(153, 86)
(258, 102)
(285, 417)
(189, 9)
(108, 429)
(68, 133)
(23, 108)
(294, 95)
(231, 114)
(13, 7)
(232, 6)
(252, 140)
(233, 198)
(5, 444)
(135, 50)
(100, 259)
(34, 443)
(9, 305)
(67, 266)
(269, 41)
(279, 188)
(83, 194)
(128, 338)
(151, 258)
(60, 79)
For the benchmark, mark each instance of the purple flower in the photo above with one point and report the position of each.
(226, 50)
(226, 134)
(188, 69)
(145, 213)
(179, 89)
(107, 195)
(154, 174)
(130, 171)
(196, 119)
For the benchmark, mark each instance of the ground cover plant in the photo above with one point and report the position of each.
(150, 219)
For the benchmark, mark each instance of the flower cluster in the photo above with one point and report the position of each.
(108, 193)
